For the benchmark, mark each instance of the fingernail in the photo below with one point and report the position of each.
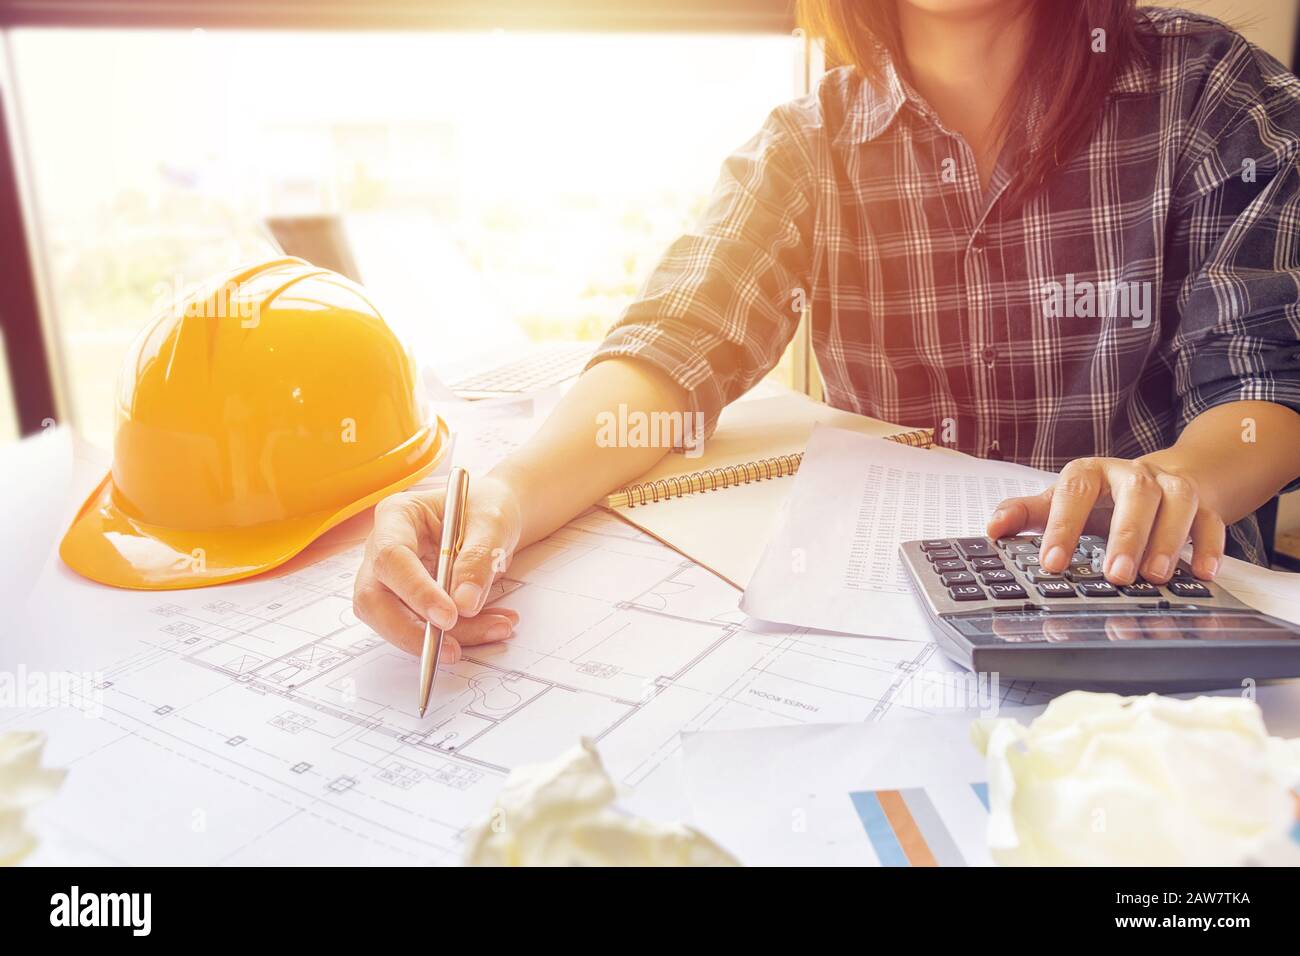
(439, 616)
(450, 653)
(499, 631)
(997, 516)
(467, 596)
(1209, 568)
(1122, 568)
(1158, 566)
(1055, 558)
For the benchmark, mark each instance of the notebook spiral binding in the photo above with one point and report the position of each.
(708, 479)
(727, 476)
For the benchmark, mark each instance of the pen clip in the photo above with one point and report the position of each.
(460, 513)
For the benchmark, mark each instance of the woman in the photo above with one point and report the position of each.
(1063, 232)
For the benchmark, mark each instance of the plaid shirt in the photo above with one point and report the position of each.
(935, 303)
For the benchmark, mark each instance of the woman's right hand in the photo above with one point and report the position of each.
(396, 591)
(560, 472)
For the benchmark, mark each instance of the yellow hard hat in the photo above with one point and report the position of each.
(251, 418)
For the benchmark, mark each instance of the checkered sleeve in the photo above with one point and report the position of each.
(721, 305)
(1237, 214)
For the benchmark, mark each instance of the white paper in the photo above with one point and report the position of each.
(833, 562)
(804, 796)
(563, 813)
(487, 431)
(260, 722)
(726, 530)
(1192, 782)
(37, 472)
(1273, 592)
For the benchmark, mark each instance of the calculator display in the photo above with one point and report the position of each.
(1038, 627)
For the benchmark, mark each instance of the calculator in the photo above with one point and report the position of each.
(993, 609)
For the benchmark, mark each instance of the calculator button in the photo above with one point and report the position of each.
(1141, 589)
(1089, 541)
(1188, 589)
(1082, 572)
(1038, 576)
(1055, 589)
(1182, 573)
(1021, 547)
(949, 564)
(966, 592)
(1026, 561)
(942, 555)
(1005, 591)
(935, 544)
(1000, 576)
(974, 547)
(1098, 589)
(958, 577)
(986, 564)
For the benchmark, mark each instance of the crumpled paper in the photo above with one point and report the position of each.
(23, 784)
(560, 814)
(1105, 780)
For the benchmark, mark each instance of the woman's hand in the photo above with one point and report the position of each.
(395, 589)
(1145, 509)
(559, 472)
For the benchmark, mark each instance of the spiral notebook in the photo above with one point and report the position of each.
(719, 509)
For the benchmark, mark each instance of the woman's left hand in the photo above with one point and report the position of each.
(1145, 510)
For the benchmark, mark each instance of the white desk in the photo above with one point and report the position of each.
(260, 723)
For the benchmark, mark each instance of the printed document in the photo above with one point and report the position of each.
(832, 562)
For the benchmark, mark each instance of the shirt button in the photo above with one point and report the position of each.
(990, 355)
(994, 452)
(977, 242)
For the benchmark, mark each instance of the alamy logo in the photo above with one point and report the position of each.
(1085, 299)
(196, 301)
(632, 428)
(102, 909)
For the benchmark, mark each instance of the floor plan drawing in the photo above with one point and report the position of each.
(264, 723)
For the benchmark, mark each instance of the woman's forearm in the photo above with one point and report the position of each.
(571, 463)
(1239, 454)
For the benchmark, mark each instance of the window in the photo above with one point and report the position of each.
(494, 187)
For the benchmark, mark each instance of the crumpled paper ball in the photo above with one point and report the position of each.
(23, 784)
(560, 814)
(1105, 780)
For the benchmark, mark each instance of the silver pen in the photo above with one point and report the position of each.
(453, 535)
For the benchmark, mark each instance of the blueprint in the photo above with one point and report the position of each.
(260, 722)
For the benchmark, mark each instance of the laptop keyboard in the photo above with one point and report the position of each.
(532, 372)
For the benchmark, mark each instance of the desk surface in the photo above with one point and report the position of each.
(259, 722)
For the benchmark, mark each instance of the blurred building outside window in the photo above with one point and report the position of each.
(495, 187)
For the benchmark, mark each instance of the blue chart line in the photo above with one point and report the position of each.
(879, 830)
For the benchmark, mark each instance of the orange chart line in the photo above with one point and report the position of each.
(906, 831)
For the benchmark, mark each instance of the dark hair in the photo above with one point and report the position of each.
(1060, 37)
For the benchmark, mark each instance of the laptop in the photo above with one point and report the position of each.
(514, 370)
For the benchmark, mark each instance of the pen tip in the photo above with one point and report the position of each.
(421, 711)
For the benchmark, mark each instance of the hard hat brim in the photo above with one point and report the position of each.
(108, 546)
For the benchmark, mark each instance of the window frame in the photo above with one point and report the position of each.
(726, 16)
